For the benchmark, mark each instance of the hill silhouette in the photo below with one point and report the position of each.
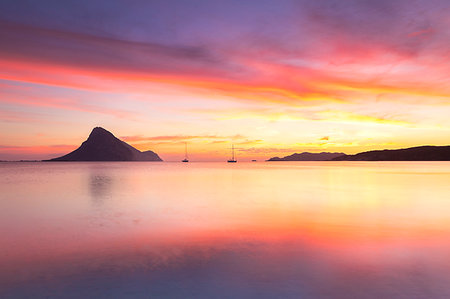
(305, 156)
(419, 153)
(102, 145)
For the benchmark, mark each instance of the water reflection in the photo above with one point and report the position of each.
(313, 230)
(100, 188)
(230, 268)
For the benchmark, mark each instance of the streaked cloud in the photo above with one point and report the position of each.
(178, 138)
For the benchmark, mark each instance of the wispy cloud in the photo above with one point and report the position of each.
(34, 152)
(178, 138)
(317, 114)
(27, 96)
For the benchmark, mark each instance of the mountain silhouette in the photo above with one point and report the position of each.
(419, 153)
(305, 156)
(102, 145)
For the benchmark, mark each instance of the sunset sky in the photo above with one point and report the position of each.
(271, 77)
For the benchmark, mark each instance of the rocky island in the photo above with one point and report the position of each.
(102, 145)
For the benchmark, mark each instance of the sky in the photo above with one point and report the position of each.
(271, 77)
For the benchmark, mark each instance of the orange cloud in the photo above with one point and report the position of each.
(178, 138)
(288, 114)
(345, 116)
(260, 80)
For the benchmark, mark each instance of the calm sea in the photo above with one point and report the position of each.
(218, 230)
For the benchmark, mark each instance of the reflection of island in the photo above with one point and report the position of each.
(305, 156)
(420, 153)
(100, 188)
(104, 146)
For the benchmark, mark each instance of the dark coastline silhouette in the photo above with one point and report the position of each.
(419, 153)
(102, 145)
(305, 156)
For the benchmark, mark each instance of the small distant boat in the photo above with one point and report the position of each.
(232, 160)
(253, 160)
(185, 154)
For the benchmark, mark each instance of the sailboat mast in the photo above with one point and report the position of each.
(232, 152)
(232, 160)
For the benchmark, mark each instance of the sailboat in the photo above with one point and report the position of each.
(232, 160)
(185, 154)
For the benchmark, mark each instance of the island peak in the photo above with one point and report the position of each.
(102, 145)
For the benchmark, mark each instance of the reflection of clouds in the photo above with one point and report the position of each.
(244, 268)
(100, 188)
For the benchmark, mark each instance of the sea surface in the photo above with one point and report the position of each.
(218, 230)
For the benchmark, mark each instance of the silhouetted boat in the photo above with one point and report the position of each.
(185, 153)
(232, 160)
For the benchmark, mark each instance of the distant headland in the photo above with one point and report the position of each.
(419, 153)
(305, 156)
(102, 145)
